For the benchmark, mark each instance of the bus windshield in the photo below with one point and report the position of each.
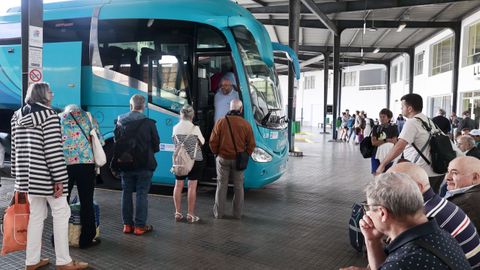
(263, 82)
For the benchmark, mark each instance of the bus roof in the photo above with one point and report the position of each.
(218, 13)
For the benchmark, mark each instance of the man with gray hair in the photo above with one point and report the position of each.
(225, 94)
(466, 144)
(230, 135)
(394, 209)
(442, 122)
(136, 142)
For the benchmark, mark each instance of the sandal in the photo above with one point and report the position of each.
(192, 218)
(178, 216)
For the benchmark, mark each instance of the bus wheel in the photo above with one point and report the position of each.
(110, 179)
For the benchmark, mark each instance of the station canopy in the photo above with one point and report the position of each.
(382, 29)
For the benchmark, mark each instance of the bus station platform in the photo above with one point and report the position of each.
(297, 222)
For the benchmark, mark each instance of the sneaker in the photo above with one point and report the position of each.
(127, 228)
(143, 230)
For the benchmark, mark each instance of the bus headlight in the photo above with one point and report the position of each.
(260, 155)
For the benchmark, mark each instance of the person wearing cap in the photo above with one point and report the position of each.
(475, 133)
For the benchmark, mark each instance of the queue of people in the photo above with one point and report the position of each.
(57, 148)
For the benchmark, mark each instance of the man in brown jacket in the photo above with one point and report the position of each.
(223, 147)
(463, 179)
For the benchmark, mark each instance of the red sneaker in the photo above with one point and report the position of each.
(127, 228)
(143, 230)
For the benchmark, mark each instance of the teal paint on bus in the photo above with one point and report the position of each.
(107, 98)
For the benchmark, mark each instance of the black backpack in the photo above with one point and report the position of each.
(128, 153)
(356, 237)
(441, 149)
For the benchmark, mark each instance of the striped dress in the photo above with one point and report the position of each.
(37, 154)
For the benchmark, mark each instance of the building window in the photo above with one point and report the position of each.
(349, 78)
(442, 56)
(473, 54)
(400, 72)
(419, 63)
(440, 102)
(372, 79)
(394, 74)
(309, 82)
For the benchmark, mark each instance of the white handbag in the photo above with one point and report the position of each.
(97, 148)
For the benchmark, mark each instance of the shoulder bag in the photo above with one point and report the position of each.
(98, 154)
(15, 224)
(241, 158)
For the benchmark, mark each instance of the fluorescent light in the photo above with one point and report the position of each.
(401, 26)
(361, 52)
(376, 50)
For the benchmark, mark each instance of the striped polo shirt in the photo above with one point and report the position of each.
(453, 220)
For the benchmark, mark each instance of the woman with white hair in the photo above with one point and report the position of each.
(77, 149)
(186, 133)
(39, 170)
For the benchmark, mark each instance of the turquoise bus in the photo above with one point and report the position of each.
(98, 53)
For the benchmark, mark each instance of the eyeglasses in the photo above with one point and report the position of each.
(369, 207)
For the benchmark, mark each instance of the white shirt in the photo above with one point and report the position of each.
(414, 132)
(222, 103)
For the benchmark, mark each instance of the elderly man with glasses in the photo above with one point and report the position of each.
(394, 209)
(463, 189)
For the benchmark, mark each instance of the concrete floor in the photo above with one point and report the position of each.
(298, 222)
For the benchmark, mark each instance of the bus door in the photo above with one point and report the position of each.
(211, 68)
(168, 91)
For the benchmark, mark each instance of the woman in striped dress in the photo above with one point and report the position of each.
(39, 169)
(190, 135)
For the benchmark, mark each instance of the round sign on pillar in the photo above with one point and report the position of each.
(35, 75)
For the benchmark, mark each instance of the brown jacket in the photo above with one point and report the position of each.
(221, 141)
(468, 202)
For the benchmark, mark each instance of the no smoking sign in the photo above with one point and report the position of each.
(35, 75)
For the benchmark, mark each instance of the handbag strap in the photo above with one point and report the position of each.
(439, 254)
(231, 134)
(83, 131)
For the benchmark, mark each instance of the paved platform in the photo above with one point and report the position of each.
(298, 222)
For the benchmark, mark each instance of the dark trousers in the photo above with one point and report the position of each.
(83, 175)
(435, 182)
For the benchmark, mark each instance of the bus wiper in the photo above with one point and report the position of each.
(267, 116)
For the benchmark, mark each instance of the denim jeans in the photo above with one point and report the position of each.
(140, 182)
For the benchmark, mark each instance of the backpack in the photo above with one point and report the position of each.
(441, 149)
(181, 160)
(356, 237)
(128, 154)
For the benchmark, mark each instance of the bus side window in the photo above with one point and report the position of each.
(145, 53)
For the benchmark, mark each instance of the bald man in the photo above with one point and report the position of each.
(449, 217)
(463, 189)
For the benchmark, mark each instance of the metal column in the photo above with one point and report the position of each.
(336, 86)
(411, 69)
(388, 91)
(339, 107)
(457, 30)
(32, 43)
(326, 56)
(293, 32)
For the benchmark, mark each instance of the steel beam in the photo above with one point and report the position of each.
(388, 90)
(346, 24)
(325, 90)
(321, 16)
(411, 72)
(293, 29)
(336, 86)
(349, 6)
(321, 49)
(457, 31)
